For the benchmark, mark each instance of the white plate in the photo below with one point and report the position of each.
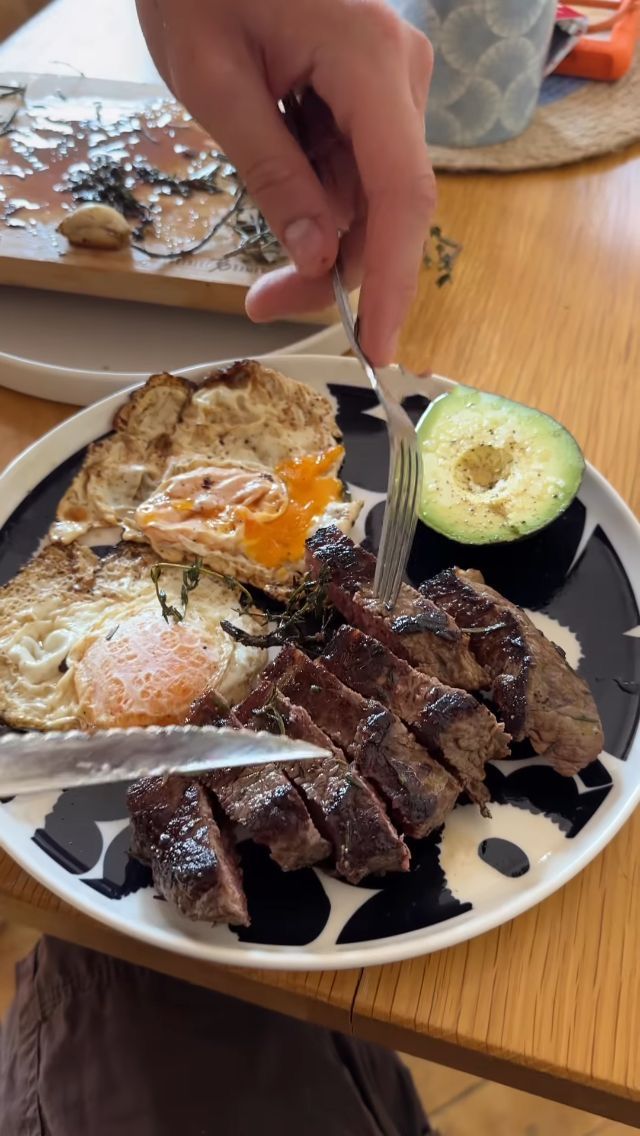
(79, 349)
(544, 829)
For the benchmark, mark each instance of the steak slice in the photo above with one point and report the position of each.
(193, 862)
(418, 792)
(453, 726)
(261, 803)
(416, 630)
(345, 809)
(537, 693)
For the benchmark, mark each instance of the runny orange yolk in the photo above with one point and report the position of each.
(148, 673)
(310, 488)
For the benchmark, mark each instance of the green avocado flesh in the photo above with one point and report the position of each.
(494, 470)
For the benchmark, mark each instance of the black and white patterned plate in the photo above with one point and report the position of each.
(580, 579)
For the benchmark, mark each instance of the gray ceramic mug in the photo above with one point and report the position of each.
(489, 62)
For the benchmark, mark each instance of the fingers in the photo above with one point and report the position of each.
(381, 108)
(285, 293)
(399, 187)
(151, 19)
(276, 173)
(373, 71)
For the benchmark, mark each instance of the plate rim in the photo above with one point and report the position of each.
(396, 948)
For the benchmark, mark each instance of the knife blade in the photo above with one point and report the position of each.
(35, 762)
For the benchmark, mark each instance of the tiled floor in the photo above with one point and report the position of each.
(458, 1105)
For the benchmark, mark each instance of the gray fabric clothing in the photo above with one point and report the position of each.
(96, 1047)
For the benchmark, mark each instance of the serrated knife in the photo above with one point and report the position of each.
(34, 762)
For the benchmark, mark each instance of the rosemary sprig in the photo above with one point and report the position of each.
(191, 575)
(447, 252)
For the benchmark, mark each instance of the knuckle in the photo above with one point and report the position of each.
(382, 21)
(267, 174)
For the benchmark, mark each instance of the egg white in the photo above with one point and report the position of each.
(248, 415)
(42, 640)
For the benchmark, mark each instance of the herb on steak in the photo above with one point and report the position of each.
(306, 618)
(191, 574)
(271, 714)
(434, 621)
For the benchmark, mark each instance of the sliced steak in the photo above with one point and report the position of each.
(261, 802)
(192, 861)
(452, 725)
(345, 809)
(418, 792)
(533, 687)
(416, 630)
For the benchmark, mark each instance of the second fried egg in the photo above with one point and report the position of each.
(83, 644)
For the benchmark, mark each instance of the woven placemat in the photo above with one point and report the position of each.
(575, 119)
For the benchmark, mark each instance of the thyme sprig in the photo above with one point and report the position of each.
(447, 252)
(305, 620)
(271, 713)
(191, 576)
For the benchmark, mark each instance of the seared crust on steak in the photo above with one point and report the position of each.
(452, 724)
(344, 807)
(417, 791)
(416, 630)
(533, 687)
(193, 862)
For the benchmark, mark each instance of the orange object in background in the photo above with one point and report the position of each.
(606, 51)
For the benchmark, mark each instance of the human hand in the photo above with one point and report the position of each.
(230, 61)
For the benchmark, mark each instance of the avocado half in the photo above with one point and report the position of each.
(493, 469)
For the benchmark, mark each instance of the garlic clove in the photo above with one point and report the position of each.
(95, 226)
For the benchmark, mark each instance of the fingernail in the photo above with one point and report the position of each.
(305, 243)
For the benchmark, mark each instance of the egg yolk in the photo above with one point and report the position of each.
(147, 673)
(268, 512)
(310, 488)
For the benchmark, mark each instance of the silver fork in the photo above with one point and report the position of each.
(405, 467)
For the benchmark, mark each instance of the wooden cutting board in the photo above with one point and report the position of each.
(56, 130)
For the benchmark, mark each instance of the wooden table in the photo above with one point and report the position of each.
(544, 308)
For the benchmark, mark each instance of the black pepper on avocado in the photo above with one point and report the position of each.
(493, 469)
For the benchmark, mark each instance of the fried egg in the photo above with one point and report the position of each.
(239, 471)
(83, 643)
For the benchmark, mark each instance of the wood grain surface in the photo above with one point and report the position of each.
(544, 308)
